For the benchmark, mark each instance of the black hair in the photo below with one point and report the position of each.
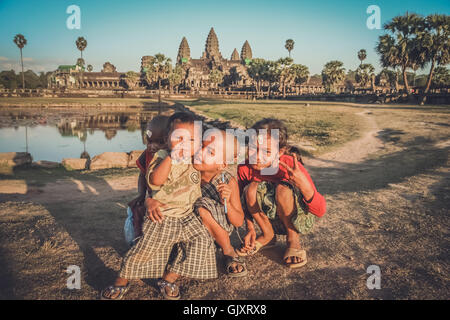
(180, 117)
(271, 123)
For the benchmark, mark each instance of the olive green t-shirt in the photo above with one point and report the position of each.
(180, 190)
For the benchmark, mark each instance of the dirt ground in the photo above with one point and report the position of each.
(387, 192)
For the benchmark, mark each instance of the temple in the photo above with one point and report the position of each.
(196, 75)
(197, 71)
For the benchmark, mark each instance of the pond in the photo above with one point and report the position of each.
(54, 134)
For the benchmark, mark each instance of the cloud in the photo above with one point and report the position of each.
(4, 59)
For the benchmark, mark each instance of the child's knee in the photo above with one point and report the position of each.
(284, 195)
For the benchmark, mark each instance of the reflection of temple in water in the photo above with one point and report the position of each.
(109, 123)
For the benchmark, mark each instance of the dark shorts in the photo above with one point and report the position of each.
(302, 220)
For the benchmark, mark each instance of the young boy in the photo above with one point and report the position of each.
(174, 180)
(286, 200)
(156, 139)
(220, 189)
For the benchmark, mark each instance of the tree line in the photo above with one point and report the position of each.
(411, 42)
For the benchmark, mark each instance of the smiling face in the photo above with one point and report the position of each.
(181, 141)
(263, 150)
(219, 148)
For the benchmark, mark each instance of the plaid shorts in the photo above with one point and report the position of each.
(302, 220)
(210, 201)
(194, 255)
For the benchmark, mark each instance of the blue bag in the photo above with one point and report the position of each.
(128, 227)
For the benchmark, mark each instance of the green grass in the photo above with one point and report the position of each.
(320, 126)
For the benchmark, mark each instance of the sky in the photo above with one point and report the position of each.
(121, 32)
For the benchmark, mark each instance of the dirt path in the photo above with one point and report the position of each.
(354, 151)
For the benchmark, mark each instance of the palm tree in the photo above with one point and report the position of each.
(289, 46)
(158, 68)
(333, 73)
(216, 77)
(362, 55)
(434, 44)
(364, 74)
(176, 76)
(20, 41)
(81, 44)
(285, 74)
(401, 49)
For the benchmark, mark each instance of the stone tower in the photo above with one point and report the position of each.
(246, 52)
(184, 52)
(212, 46)
(235, 55)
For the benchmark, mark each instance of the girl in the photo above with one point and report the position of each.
(284, 202)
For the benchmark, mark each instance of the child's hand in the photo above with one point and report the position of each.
(224, 191)
(249, 240)
(153, 211)
(296, 176)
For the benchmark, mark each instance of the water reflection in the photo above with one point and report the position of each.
(56, 134)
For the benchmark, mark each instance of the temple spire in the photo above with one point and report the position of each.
(184, 52)
(246, 52)
(212, 45)
(235, 55)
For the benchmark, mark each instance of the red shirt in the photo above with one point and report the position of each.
(143, 161)
(246, 174)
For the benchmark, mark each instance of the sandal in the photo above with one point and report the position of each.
(295, 252)
(258, 246)
(162, 284)
(114, 289)
(239, 262)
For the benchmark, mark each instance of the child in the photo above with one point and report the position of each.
(288, 196)
(156, 139)
(219, 188)
(178, 184)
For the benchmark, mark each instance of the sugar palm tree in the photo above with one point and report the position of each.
(289, 46)
(20, 41)
(81, 44)
(364, 74)
(216, 77)
(158, 68)
(362, 55)
(333, 73)
(434, 44)
(400, 48)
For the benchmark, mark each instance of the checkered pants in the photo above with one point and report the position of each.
(195, 256)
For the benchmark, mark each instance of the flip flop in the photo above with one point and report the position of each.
(113, 289)
(295, 252)
(229, 260)
(162, 284)
(258, 246)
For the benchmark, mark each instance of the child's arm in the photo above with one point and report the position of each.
(230, 192)
(142, 190)
(160, 174)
